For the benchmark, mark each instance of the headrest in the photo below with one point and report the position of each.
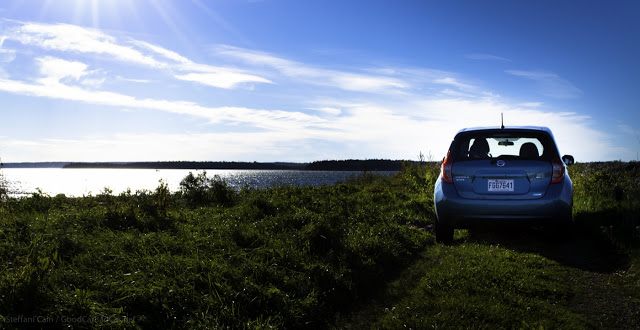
(479, 149)
(529, 150)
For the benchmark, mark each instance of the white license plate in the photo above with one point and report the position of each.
(500, 185)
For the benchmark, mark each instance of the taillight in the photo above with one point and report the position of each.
(558, 170)
(447, 176)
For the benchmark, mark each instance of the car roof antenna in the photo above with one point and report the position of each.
(501, 121)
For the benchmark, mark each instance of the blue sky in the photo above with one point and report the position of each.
(288, 80)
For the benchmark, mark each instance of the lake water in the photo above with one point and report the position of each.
(83, 182)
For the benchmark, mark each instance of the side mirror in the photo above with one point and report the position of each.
(568, 159)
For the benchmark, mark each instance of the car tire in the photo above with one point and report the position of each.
(444, 233)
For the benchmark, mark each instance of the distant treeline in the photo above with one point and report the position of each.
(356, 165)
(324, 165)
(35, 165)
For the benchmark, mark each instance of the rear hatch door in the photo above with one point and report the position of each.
(502, 179)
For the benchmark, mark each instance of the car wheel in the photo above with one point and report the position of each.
(444, 233)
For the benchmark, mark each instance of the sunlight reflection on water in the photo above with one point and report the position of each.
(84, 182)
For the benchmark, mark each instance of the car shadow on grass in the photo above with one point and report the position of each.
(578, 247)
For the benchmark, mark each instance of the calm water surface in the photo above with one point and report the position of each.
(81, 182)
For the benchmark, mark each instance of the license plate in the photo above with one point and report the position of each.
(500, 185)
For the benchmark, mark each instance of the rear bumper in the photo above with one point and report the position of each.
(554, 208)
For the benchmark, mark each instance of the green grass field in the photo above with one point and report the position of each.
(359, 254)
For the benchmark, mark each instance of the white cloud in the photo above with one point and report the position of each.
(166, 53)
(352, 130)
(247, 146)
(54, 89)
(328, 110)
(222, 79)
(72, 38)
(395, 112)
(58, 69)
(135, 80)
(531, 104)
(361, 129)
(357, 82)
(76, 40)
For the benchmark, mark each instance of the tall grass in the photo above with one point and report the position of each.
(207, 256)
(210, 256)
(4, 189)
(522, 278)
(607, 199)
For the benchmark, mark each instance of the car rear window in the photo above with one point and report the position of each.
(502, 144)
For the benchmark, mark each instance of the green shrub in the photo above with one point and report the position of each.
(607, 200)
(200, 190)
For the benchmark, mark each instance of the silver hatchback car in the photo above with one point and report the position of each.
(502, 175)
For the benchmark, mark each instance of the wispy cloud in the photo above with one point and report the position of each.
(349, 81)
(222, 79)
(245, 146)
(72, 39)
(166, 53)
(455, 83)
(550, 84)
(376, 80)
(328, 110)
(531, 104)
(6, 55)
(55, 89)
(366, 83)
(487, 57)
(135, 80)
(341, 129)
(354, 112)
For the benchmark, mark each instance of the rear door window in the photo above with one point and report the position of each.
(503, 145)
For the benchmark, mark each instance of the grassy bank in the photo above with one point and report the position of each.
(355, 254)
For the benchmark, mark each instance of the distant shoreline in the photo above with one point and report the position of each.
(325, 165)
(35, 165)
(192, 165)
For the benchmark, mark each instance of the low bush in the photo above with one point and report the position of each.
(200, 190)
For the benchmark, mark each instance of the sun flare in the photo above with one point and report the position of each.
(94, 13)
